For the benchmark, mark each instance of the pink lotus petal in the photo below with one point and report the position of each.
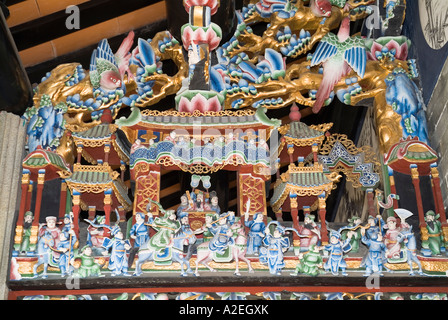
(200, 36)
(200, 103)
(185, 105)
(375, 47)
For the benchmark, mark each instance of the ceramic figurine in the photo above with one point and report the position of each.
(188, 244)
(309, 233)
(108, 69)
(27, 223)
(165, 227)
(435, 242)
(140, 234)
(228, 243)
(205, 229)
(374, 260)
(407, 237)
(68, 225)
(184, 204)
(118, 261)
(376, 227)
(309, 262)
(222, 235)
(275, 244)
(239, 249)
(50, 226)
(336, 249)
(199, 201)
(391, 237)
(87, 266)
(340, 54)
(97, 231)
(214, 206)
(406, 100)
(356, 236)
(66, 248)
(44, 245)
(169, 235)
(256, 231)
(46, 125)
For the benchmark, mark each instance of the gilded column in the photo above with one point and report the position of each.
(37, 208)
(290, 152)
(371, 202)
(418, 195)
(22, 208)
(76, 208)
(295, 221)
(29, 196)
(107, 205)
(393, 189)
(323, 223)
(63, 199)
(106, 153)
(438, 199)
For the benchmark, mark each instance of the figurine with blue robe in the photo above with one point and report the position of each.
(184, 204)
(256, 232)
(140, 233)
(118, 261)
(67, 225)
(337, 248)
(275, 245)
(44, 245)
(189, 242)
(222, 234)
(375, 257)
(376, 227)
(66, 249)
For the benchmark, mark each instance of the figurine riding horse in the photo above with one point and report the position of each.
(146, 253)
(237, 251)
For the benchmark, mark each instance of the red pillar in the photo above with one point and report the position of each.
(29, 196)
(418, 195)
(40, 189)
(121, 213)
(438, 194)
(122, 169)
(107, 205)
(291, 152)
(315, 149)
(323, 223)
(106, 153)
(393, 189)
(79, 153)
(92, 212)
(76, 208)
(371, 202)
(22, 208)
(63, 199)
(295, 221)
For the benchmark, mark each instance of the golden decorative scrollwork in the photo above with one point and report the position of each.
(197, 113)
(252, 188)
(147, 187)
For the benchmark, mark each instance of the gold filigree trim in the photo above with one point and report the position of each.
(197, 113)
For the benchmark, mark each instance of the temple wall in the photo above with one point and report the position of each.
(12, 141)
(437, 114)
